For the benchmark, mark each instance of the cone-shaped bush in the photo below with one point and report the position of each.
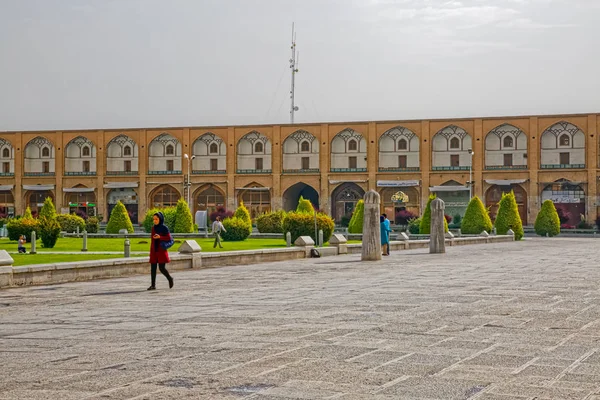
(183, 220)
(243, 213)
(49, 231)
(119, 219)
(305, 206)
(547, 221)
(476, 219)
(237, 229)
(425, 225)
(356, 222)
(28, 214)
(48, 210)
(508, 216)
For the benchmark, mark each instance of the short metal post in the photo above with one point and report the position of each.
(84, 247)
(127, 249)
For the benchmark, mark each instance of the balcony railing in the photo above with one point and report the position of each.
(301, 171)
(7, 174)
(39, 173)
(348, 170)
(563, 166)
(178, 172)
(208, 172)
(253, 171)
(397, 169)
(456, 168)
(122, 173)
(504, 167)
(89, 173)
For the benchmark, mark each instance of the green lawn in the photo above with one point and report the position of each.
(40, 258)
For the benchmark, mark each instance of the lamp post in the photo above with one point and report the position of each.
(471, 153)
(189, 183)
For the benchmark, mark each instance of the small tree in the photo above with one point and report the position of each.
(508, 216)
(28, 214)
(305, 206)
(243, 213)
(48, 210)
(49, 231)
(356, 222)
(547, 221)
(119, 219)
(476, 219)
(183, 220)
(425, 226)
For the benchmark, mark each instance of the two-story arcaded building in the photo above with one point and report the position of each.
(332, 164)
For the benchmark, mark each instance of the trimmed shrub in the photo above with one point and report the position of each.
(170, 214)
(305, 206)
(221, 212)
(119, 219)
(508, 216)
(356, 222)
(476, 219)
(425, 226)
(404, 217)
(48, 210)
(49, 231)
(70, 222)
(92, 225)
(27, 214)
(242, 213)
(22, 226)
(183, 218)
(547, 221)
(237, 229)
(414, 226)
(148, 222)
(302, 224)
(271, 222)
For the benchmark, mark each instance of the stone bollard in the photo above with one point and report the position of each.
(33, 239)
(494, 231)
(127, 249)
(192, 248)
(339, 241)
(512, 233)
(437, 242)
(320, 237)
(371, 237)
(458, 232)
(288, 239)
(77, 231)
(84, 247)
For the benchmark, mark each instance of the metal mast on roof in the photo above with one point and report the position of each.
(294, 68)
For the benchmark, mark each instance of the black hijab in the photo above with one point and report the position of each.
(161, 228)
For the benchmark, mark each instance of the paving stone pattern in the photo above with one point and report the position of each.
(490, 322)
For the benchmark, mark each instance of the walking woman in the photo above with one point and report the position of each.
(385, 236)
(159, 256)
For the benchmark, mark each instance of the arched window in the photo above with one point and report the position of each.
(170, 150)
(508, 141)
(45, 152)
(6, 153)
(565, 140)
(165, 196)
(214, 148)
(127, 151)
(402, 144)
(258, 147)
(352, 145)
(454, 143)
(85, 151)
(305, 146)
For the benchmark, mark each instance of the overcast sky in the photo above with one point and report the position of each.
(74, 64)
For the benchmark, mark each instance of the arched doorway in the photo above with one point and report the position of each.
(164, 196)
(35, 200)
(256, 198)
(455, 195)
(81, 201)
(128, 197)
(391, 206)
(569, 197)
(494, 194)
(344, 199)
(208, 198)
(7, 204)
(292, 195)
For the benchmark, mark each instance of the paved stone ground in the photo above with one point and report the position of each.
(504, 321)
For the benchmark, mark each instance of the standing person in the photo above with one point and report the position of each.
(385, 237)
(159, 254)
(21, 245)
(217, 228)
(389, 229)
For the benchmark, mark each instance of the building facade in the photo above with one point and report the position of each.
(332, 164)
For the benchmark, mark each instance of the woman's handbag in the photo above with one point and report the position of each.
(166, 244)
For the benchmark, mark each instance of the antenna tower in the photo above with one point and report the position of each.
(294, 68)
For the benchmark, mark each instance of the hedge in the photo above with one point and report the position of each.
(270, 222)
(476, 219)
(356, 222)
(236, 229)
(22, 226)
(425, 225)
(119, 219)
(170, 214)
(302, 224)
(305, 206)
(70, 222)
(547, 221)
(92, 225)
(183, 218)
(508, 216)
(49, 231)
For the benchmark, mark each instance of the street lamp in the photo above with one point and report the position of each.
(189, 183)
(471, 153)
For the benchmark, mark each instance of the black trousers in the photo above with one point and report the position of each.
(163, 270)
